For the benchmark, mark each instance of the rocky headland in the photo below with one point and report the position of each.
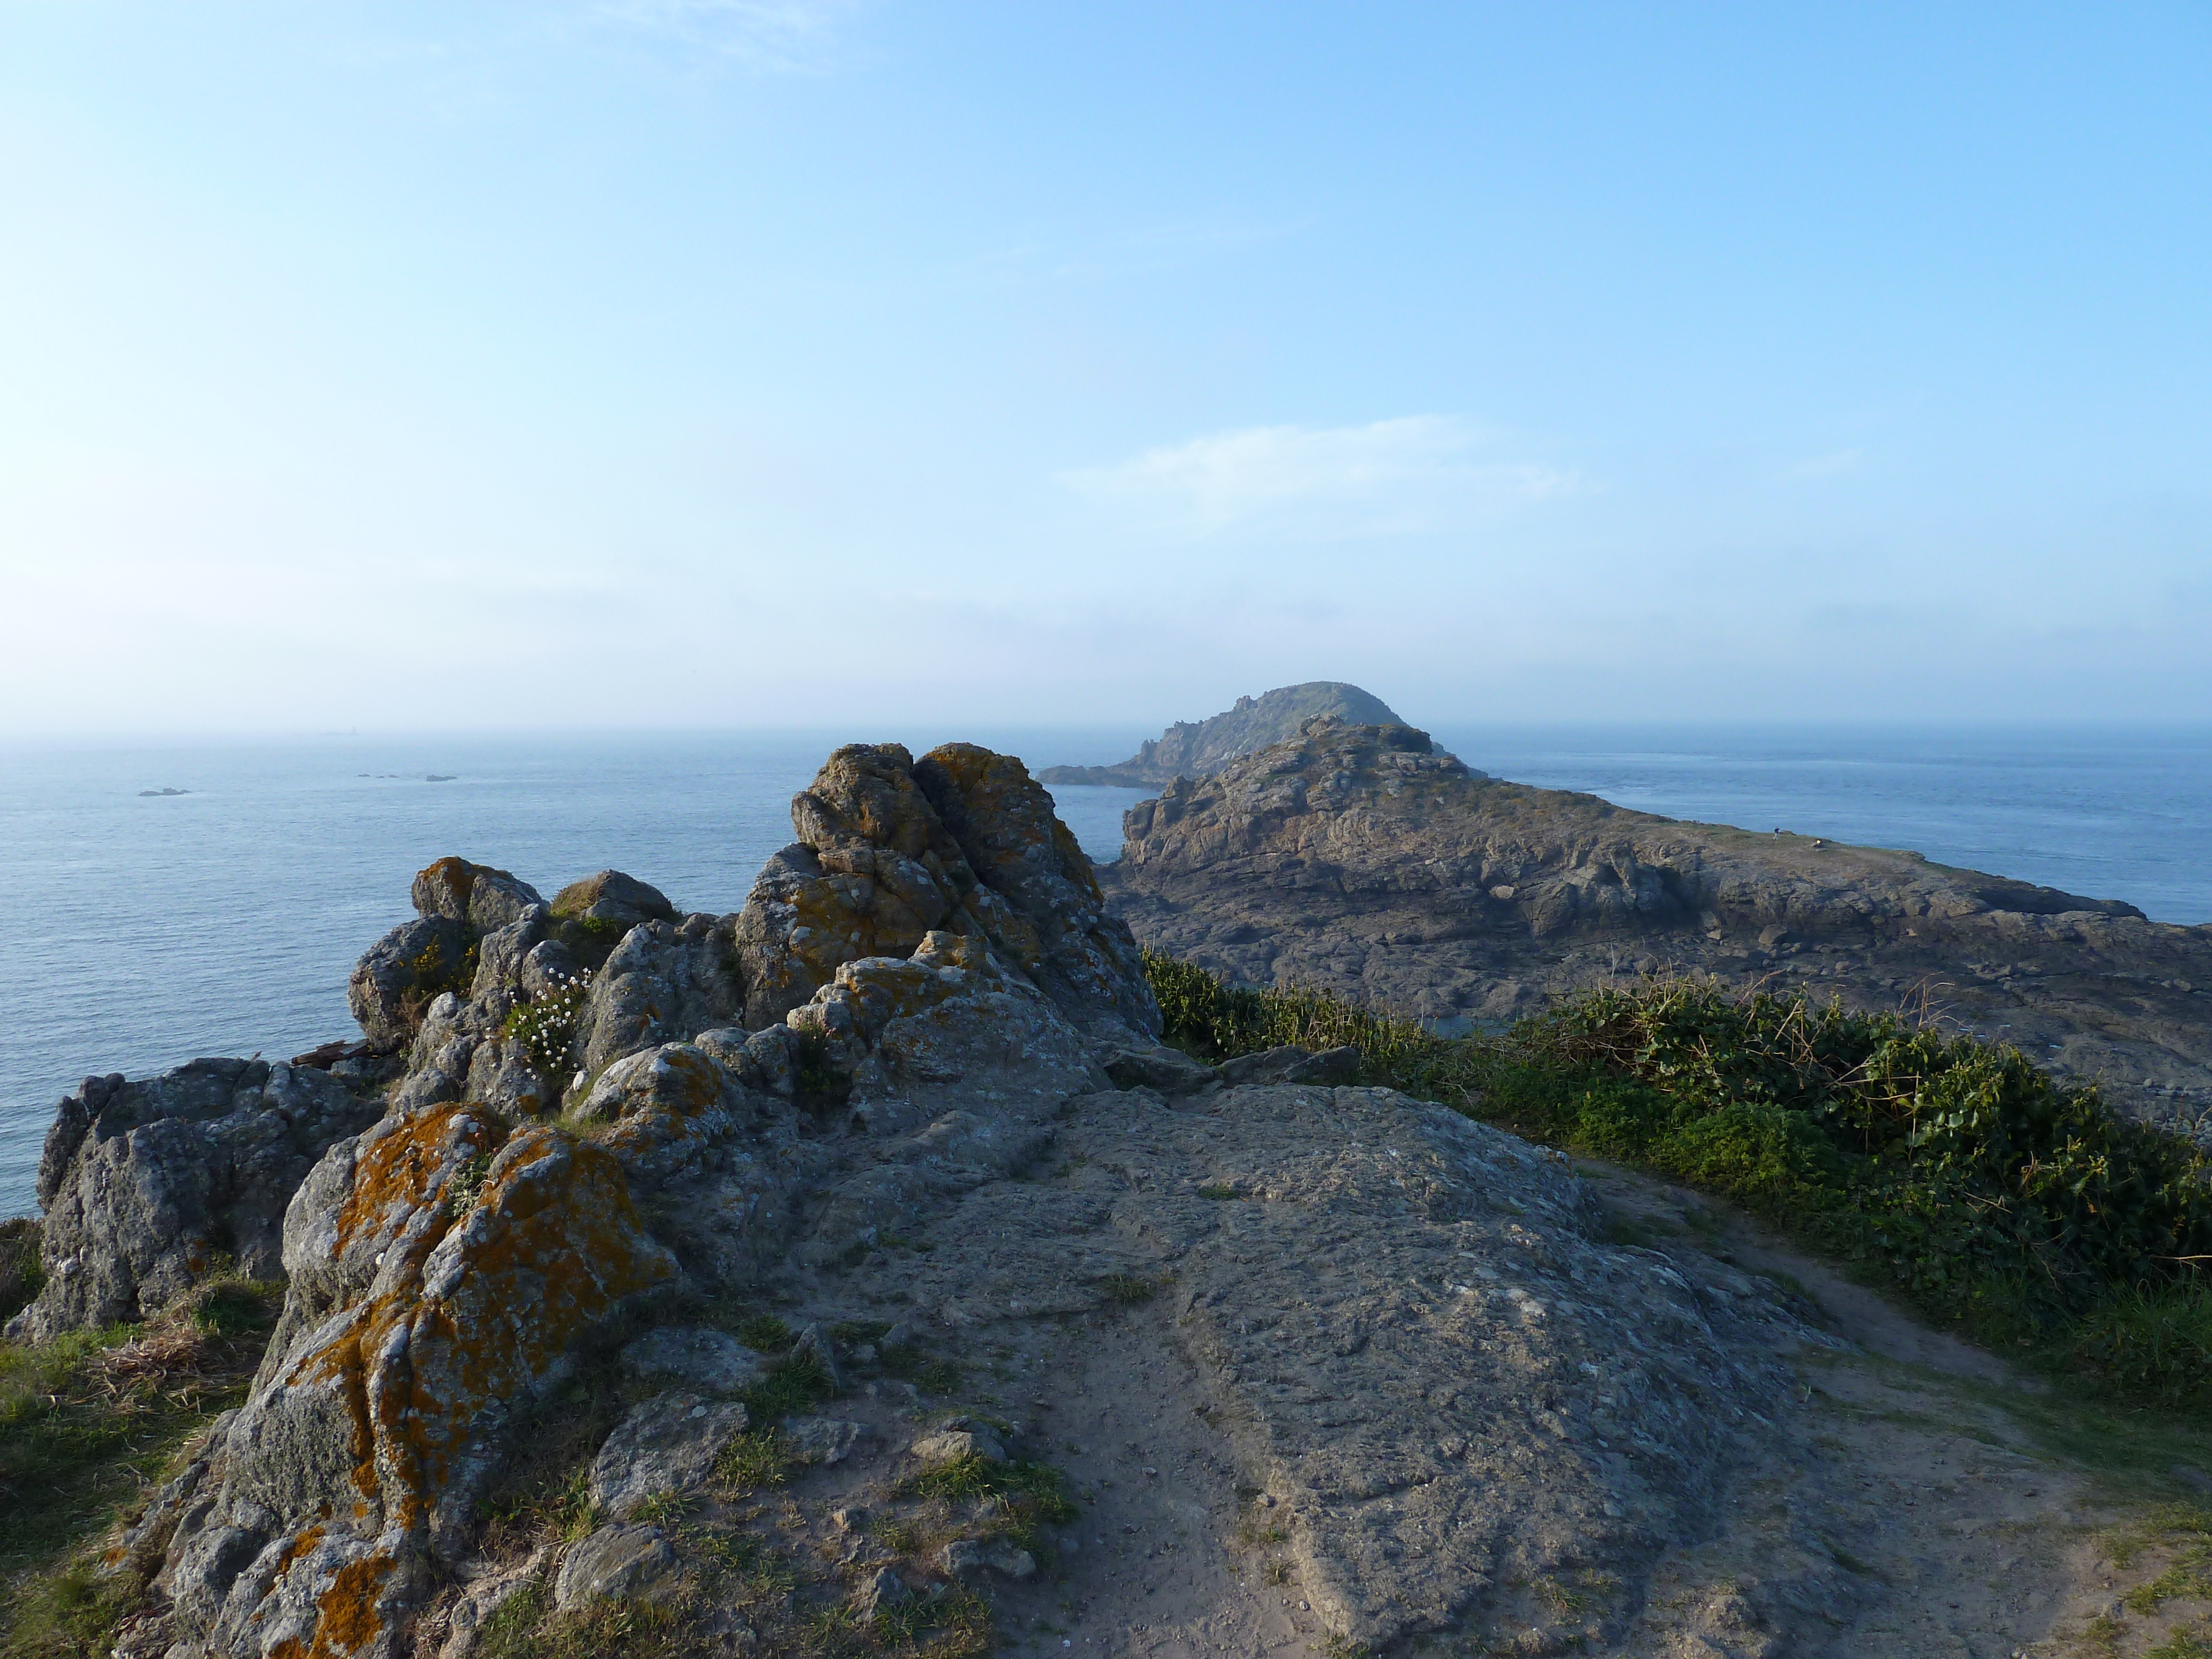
(859, 1273)
(1197, 748)
(1360, 858)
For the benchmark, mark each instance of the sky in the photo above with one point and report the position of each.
(725, 363)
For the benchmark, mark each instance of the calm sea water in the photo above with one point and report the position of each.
(136, 932)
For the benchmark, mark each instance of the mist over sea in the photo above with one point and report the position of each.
(138, 931)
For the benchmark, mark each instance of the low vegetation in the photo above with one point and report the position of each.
(89, 1422)
(2005, 1204)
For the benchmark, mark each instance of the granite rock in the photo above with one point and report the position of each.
(148, 1185)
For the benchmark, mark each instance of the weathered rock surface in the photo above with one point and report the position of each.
(1357, 858)
(417, 1323)
(1394, 1358)
(148, 1186)
(483, 898)
(614, 899)
(961, 842)
(664, 1448)
(711, 1360)
(1198, 749)
(614, 1563)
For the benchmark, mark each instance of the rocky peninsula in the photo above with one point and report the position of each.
(1360, 858)
(1196, 749)
(859, 1273)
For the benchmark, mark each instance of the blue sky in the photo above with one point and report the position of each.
(653, 363)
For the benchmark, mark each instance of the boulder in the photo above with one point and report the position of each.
(962, 843)
(664, 1109)
(611, 899)
(397, 976)
(1169, 1071)
(148, 1185)
(483, 898)
(442, 1270)
(615, 1564)
(666, 1446)
(1060, 934)
(665, 983)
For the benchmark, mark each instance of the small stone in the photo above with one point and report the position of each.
(812, 1342)
(854, 1518)
(823, 1439)
(886, 1589)
(899, 1336)
(957, 1444)
(615, 1564)
(966, 1557)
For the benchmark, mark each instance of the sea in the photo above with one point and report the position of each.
(139, 928)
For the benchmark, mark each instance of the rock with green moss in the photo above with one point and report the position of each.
(612, 901)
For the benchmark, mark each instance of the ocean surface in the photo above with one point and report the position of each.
(138, 931)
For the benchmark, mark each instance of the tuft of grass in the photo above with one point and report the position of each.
(22, 1275)
(1128, 1290)
(759, 1457)
(765, 1334)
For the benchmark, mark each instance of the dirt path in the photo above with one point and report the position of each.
(1971, 1514)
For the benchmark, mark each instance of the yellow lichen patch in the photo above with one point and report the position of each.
(308, 1537)
(349, 1621)
(456, 875)
(553, 1243)
(397, 1171)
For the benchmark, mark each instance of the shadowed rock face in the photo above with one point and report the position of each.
(147, 1185)
(1357, 858)
(1197, 749)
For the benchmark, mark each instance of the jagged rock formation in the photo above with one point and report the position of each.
(1297, 1330)
(930, 956)
(1358, 858)
(1199, 748)
(147, 1185)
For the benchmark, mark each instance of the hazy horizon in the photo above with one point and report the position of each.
(774, 364)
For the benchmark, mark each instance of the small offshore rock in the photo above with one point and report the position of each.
(667, 1444)
(709, 1359)
(615, 1564)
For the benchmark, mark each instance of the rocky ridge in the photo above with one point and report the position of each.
(1196, 749)
(1316, 1360)
(1362, 859)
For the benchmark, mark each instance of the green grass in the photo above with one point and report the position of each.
(2012, 1208)
(89, 1422)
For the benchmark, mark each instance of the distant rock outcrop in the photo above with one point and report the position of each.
(1354, 857)
(1197, 749)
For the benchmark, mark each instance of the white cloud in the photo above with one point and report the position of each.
(1419, 472)
(786, 36)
